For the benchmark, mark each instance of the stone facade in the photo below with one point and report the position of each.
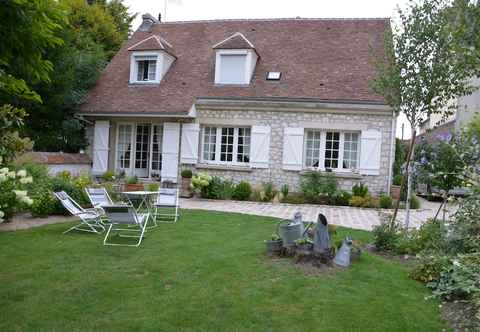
(278, 120)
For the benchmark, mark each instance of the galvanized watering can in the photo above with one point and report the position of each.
(342, 258)
(290, 230)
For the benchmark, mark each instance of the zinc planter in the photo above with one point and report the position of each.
(186, 190)
(395, 192)
(290, 232)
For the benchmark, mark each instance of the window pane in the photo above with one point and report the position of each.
(350, 150)
(156, 149)
(332, 149)
(312, 157)
(124, 146)
(226, 148)
(232, 69)
(209, 142)
(243, 147)
(152, 67)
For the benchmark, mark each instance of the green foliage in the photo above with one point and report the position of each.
(364, 202)
(11, 144)
(108, 176)
(397, 180)
(242, 191)
(13, 193)
(314, 184)
(132, 179)
(343, 198)
(284, 189)
(360, 189)
(400, 154)
(294, 198)
(414, 202)
(385, 202)
(465, 226)
(44, 204)
(200, 181)
(152, 186)
(386, 236)
(186, 173)
(218, 189)
(269, 192)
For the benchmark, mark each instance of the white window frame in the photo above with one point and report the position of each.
(250, 61)
(134, 66)
(218, 146)
(323, 141)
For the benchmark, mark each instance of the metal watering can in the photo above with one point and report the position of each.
(342, 258)
(290, 230)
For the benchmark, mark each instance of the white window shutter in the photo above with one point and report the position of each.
(170, 147)
(100, 147)
(190, 133)
(370, 151)
(293, 148)
(260, 147)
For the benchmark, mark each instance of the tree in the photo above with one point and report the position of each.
(426, 63)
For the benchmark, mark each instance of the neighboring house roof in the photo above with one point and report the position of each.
(235, 41)
(153, 43)
(321, 59)
(442, 132)
(55, 158)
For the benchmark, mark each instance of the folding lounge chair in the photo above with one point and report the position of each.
(90, 217)
(98, 197)
(167, 199)
(119, 215)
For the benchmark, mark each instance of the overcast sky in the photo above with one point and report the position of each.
(185, 10)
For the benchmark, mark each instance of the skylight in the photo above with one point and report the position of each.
(273, 75)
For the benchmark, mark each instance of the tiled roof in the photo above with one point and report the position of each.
(325, 59)
(235, 41)
(153, 43)
(55, 158)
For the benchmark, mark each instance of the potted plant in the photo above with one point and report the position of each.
(186, 189)
(274, 245)
(304, 244)
(132, 184)
(396, 186)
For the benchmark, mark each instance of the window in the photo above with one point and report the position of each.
(146, 68)
(232, 69)
(273, 75)
(226, 145)
(156, 150)
(331, 149)
(124, 146)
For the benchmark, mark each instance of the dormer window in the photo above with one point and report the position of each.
(150, 60)
(146, 68)
(235, 60)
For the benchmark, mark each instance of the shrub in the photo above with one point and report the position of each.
(343, 198)
(242, 191)
(314, 184)
(294, 198)
(360, 189)
(186, 173)
(152, 186)
(428, 268)
(44, 205)
(218, 189)
(108, 176)
(365, 202)
(200, 181)
(385, 202)
(397, 180)
(132, 179)
(284, 190)
(13, 195)
(269, 192)
(256, 194)
(386, 236)
(414, 202)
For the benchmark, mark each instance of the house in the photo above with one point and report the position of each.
(56, 162)
(255, 100)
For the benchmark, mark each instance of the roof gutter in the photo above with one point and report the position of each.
(137, 115)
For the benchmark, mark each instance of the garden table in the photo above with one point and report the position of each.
(145, 198)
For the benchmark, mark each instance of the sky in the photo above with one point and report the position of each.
(187, 10)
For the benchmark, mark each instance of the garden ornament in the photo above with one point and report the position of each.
(321, 238)
(297, 217)
(291, 230)
(342, 258)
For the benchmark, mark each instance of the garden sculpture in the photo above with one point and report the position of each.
(343, 255)
(321, 239)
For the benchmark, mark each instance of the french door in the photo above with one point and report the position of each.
(139, 149)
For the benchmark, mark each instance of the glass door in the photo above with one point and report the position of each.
(142, 150)
(156, 153)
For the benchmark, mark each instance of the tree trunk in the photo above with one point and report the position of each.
(407, 166)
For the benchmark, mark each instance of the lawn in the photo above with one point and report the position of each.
(206, 273)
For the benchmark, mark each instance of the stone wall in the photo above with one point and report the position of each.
(277, 120)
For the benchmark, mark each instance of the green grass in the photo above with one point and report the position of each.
(206, 273)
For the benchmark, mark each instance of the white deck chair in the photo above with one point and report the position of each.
(90, 217)
(125, 215)
(98, 197)
(167, 198)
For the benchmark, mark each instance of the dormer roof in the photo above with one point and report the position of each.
(235, 41)
(153, 43)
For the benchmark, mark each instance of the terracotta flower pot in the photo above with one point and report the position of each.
(395, 192)
(186, 190)
(133, 187)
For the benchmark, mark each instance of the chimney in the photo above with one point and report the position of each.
(148, 22)
(159, 17)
